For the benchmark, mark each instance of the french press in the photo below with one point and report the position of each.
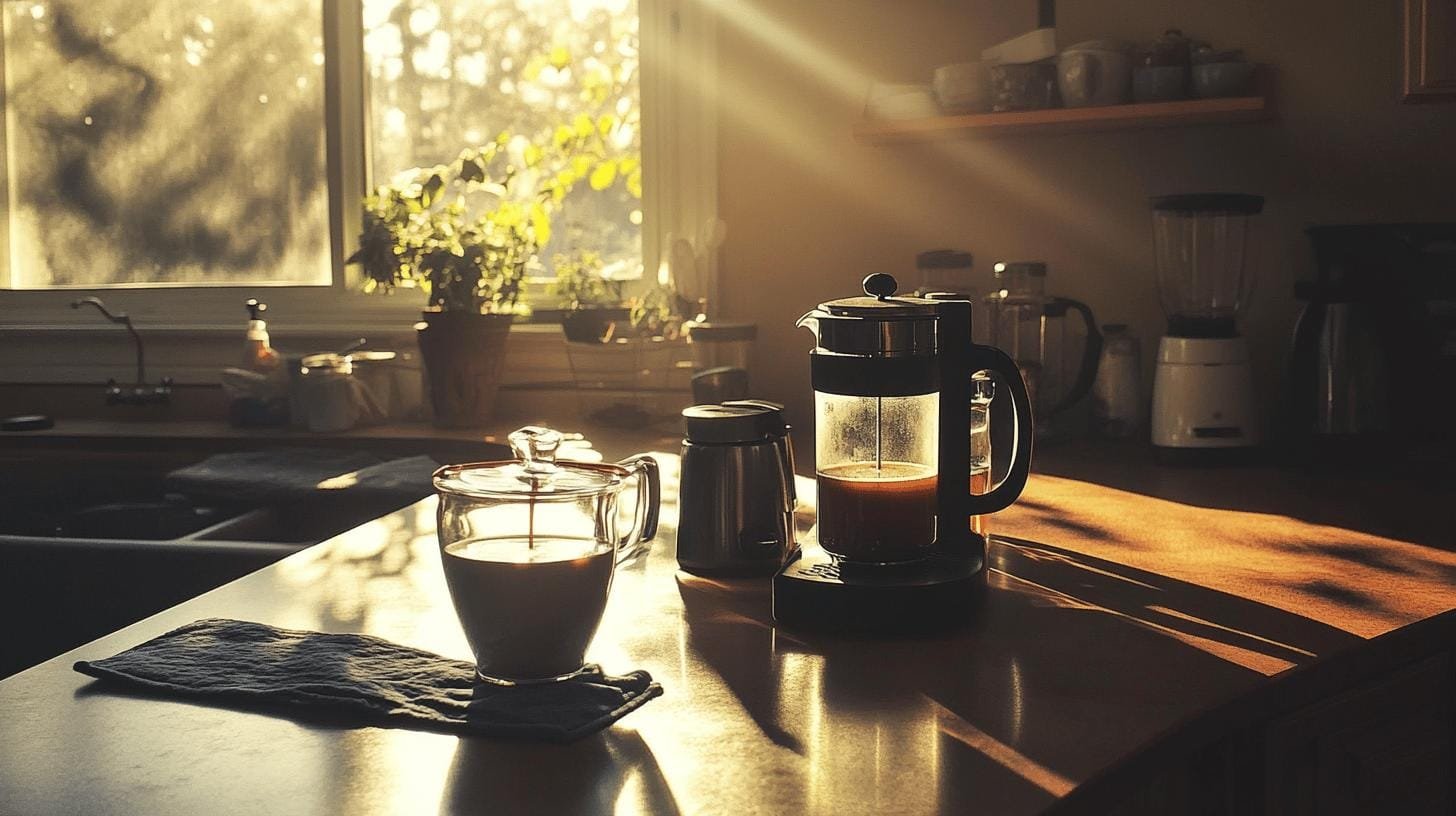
(893, 399)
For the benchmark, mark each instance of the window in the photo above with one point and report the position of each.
(174, 156)
(165, 143)
(182, 143)
(447, 75)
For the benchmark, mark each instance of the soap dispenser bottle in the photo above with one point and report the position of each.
(258, 388)
(258, 354)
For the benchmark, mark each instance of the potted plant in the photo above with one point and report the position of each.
(593, 304)
(465, 233)
(657, 313)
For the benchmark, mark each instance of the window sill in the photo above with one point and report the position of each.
(194, 354)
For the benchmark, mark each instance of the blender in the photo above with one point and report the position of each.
(1203, 387)
(896, 388)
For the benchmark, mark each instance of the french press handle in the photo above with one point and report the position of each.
(996, 361)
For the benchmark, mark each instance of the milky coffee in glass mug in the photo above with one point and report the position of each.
(529, 547)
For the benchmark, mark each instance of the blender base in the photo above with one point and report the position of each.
(1203, 396)
(812, 591)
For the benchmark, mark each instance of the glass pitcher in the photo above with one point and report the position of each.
(529, 548)
(1056, 356)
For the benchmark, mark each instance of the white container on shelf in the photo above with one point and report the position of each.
(1032, 46)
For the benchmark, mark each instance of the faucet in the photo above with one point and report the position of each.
(140, 393)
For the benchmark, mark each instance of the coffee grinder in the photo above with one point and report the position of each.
(1203, 389)
(893, 396)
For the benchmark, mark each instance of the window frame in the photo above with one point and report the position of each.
(679, 146)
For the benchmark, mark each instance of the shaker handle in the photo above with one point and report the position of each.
(1091, 354)
(996, 361)
(649, 500)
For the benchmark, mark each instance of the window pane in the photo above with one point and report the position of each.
(169, 142)
(450, 74)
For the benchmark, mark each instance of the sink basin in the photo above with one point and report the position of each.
(124, 510)
(89, 544)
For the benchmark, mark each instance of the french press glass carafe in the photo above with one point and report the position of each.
(894, 394)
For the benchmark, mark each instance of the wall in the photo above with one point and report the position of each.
(810, 210)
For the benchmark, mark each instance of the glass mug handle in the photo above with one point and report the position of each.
(996, 361)
(649, 500)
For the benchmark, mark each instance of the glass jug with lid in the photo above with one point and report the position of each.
(529, 547)
(1057, 356)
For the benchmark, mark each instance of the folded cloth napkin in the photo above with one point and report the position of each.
(305, 473)
(357, 680)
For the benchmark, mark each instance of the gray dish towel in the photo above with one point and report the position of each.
(298, 474)
(358, 680)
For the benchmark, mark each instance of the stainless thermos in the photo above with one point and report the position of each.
(736, 501)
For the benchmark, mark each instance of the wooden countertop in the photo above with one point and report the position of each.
(1115, 612)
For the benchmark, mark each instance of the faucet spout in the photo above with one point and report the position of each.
(122, 319)
(139, 393)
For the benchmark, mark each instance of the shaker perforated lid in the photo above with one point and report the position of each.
(733, 422)
(536, 474)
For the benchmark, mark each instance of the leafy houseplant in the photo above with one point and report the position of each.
(465, 233)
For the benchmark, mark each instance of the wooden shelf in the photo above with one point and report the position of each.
(1068, 120)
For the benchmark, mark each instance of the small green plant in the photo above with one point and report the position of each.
(655, 312)
(466, 232)
(579, 282)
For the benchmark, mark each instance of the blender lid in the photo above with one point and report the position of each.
(878, 302)
(536, 474)
(1229, 203)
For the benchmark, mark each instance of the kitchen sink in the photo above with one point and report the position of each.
(92, 543)
(125, 509)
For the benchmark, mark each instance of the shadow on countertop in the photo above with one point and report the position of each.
(1356, 495)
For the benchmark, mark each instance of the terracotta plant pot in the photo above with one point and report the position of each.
(464, 355)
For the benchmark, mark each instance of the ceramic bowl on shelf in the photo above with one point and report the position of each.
(1029, 86)
(1215, 79)
(1094, 73)
(961, 88)
(900, 101)
(1159, 83)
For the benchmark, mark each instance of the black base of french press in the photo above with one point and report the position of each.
(813, 591)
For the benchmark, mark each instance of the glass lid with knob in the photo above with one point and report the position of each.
(536, 474)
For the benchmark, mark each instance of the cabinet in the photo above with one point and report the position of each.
(1370, 732)
(1430, 50)
(1385, 747)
